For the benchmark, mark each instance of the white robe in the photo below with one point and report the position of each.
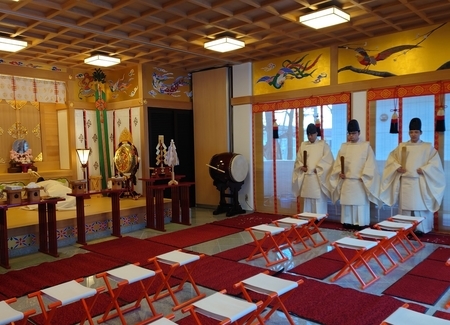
(361, 183)
(310, 185)
(419, 193)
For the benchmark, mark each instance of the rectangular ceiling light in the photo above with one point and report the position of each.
(102, 60)
(11, 45)
(325, 18)
(224, 44)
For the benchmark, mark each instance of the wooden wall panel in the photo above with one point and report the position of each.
(211, 128)
(50, 143)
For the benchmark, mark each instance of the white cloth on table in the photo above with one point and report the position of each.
(53, 188)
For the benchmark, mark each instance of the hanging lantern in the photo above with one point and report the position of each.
(394, 122)
(440, 119)
(275, 129)
(317, 124)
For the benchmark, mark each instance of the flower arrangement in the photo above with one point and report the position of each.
(21, 158)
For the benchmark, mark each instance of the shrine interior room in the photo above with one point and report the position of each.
(148, 150)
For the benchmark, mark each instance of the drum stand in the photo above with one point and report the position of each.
(234, 207)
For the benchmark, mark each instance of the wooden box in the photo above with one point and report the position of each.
(116, 183)
(33, 194)
(78, 187)
(13, 196)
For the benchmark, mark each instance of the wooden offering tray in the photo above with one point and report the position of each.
(160, 172)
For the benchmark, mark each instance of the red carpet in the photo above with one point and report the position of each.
(442, 315)
(248, 220)
(432, 269)
(440, 254)
(192, 236)
(129, 249)
(423, 290)
(218, 274)
(21, 282)
(321, 267)
(238, 253)
(342, 306)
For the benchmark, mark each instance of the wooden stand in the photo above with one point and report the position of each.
(33, 194)
(116, 183)
(13, 196)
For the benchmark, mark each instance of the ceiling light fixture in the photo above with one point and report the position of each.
(325, 18)
(11, 45)
(224, 44)
(102, 60)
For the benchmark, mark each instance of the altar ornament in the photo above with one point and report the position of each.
(275, 129)
(171, 159)
(317, 124)
(394, 122)
(161, 151)
(21, 158)
(440, 119)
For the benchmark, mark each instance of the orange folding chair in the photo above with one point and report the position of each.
(177, 259)
(272, 238)
(225, 309)
(402, 230)
(314, 222)
(415, 221)
(364, 251)
(385, 239)
(64, 294)
(275, 289)
(124, 276)
(9, 315)
(297, 229)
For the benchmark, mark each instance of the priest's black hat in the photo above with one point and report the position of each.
(353, 126)
(311, 129)
(415, 124)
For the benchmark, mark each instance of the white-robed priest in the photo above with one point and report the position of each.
(413, 176)
(311, 170)
(355, 179)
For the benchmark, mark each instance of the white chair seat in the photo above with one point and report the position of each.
(69, 292)
(293, 221)
(404, 316)
(177, 257)
(377, 234)
(220, 306)
(266, 284)
(267, 228)
(402, 218)
(353, 243)
(162, 321)
(131, 273)
(9, 314)
(391, 225)
(309, 215)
